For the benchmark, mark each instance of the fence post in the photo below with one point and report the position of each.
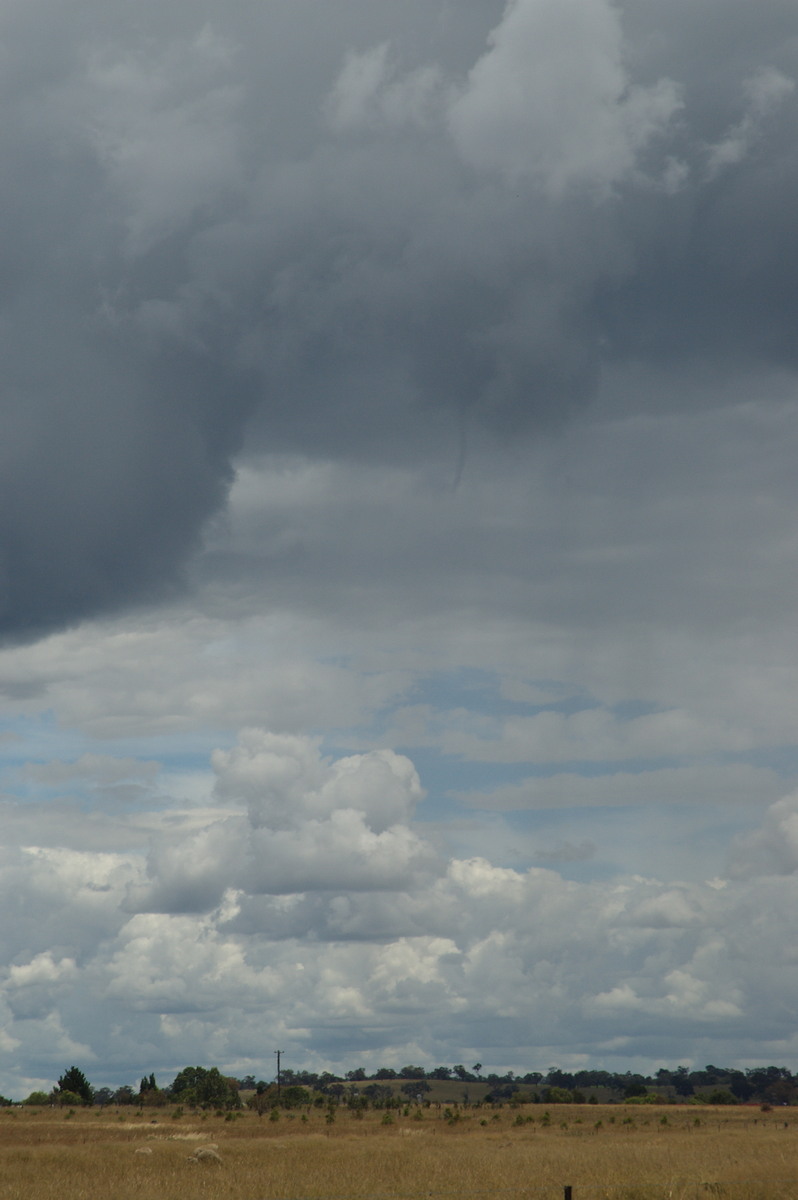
(568, 1192)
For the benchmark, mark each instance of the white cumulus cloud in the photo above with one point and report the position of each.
(551, 99)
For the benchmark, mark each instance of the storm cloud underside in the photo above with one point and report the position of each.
(357, 236)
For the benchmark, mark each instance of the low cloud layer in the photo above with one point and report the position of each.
(376, 944)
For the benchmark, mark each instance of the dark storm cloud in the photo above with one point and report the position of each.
(335, 232)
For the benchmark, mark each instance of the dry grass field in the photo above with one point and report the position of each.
(603, 1153)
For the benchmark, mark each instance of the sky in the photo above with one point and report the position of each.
(398, 560)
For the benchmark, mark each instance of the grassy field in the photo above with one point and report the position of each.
(610, 1153)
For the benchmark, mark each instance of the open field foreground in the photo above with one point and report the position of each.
(617, 1153)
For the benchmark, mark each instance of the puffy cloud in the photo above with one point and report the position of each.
(374, 955)
(551, 99)
(41, 969)
(312, 825)
(765, 92)
(161, 128)
(34, 988)
(285, 782)
(279, 777)
(772, 849)
(368, 91)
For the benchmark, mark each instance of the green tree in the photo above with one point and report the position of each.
(740, 1085)
(150, 1094)
(295, 1096)
(781, 1092)
(411, 1072)
(205, 1088)
(186, 1085)
(416, 1087)
(74, 1082)
(682, 1082)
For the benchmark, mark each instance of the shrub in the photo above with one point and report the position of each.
(721, 1096)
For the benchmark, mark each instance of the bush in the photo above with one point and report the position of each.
(721, 1096)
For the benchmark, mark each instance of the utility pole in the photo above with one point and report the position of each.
(278, 1053)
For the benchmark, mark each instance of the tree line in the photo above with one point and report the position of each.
(207, 1087)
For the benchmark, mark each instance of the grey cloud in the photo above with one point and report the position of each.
(639, 522)
(676, 785)
(100, 770)
(22, 689)
(567, 852)
(195, 258)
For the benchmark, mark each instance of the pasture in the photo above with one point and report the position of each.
(615, 1152)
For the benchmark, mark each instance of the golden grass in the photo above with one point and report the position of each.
(604, 1153)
